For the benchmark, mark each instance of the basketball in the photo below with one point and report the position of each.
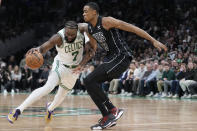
(34, 60)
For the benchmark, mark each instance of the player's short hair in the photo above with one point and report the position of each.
(71, 25)
(94, 6)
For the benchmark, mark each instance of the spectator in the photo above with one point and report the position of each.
(113, 86)
(187, 80)
(166, 81)
(5, 79)
(22, 63)
(176, 89)
(35, 75)
(16, 79)
(138, 73)
(90, 68)
(26, 78)
(12, 61)
(174, 66)
(122, 81)
(129, 80)
(193, 87)
(143, 79)
(43, 77)
(151, 83)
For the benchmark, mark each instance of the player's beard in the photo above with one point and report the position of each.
(71, 40)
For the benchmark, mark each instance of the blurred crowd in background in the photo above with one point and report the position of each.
(151, 73)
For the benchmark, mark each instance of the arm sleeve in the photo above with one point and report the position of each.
(86, 37)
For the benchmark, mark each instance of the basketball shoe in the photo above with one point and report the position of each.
(49, 114)
(13, 116)
(110, 120)
(116, 112)
(106, 122)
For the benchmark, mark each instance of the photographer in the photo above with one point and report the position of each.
(26, 79)
(5, 79)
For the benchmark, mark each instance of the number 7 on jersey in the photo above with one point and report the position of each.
(75, 55)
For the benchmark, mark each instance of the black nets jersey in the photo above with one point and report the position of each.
(110, 40)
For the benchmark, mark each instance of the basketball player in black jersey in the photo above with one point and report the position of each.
(104, 31)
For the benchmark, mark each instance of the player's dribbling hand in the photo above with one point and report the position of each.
(159, 45)
(78, 69)
(32, 50)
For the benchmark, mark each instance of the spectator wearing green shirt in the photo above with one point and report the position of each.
(167, 77)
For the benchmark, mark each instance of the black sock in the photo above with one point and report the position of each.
(102, 109)
(18, 111)
(109, 104)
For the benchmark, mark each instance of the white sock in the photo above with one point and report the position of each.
(59, 97)
(37, 94)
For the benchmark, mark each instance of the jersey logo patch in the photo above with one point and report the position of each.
(99, 27)
(101, 39)
(90, 29)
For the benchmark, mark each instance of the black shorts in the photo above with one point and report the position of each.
(109, 70)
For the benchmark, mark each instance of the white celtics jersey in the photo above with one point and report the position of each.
(70, 53)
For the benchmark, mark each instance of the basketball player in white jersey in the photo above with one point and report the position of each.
(69, 43)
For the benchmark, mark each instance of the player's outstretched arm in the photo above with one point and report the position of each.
(110, 22)
(54, 40)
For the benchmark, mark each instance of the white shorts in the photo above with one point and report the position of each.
(67, 79)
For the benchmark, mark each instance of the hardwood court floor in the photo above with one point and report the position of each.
(78, 113)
